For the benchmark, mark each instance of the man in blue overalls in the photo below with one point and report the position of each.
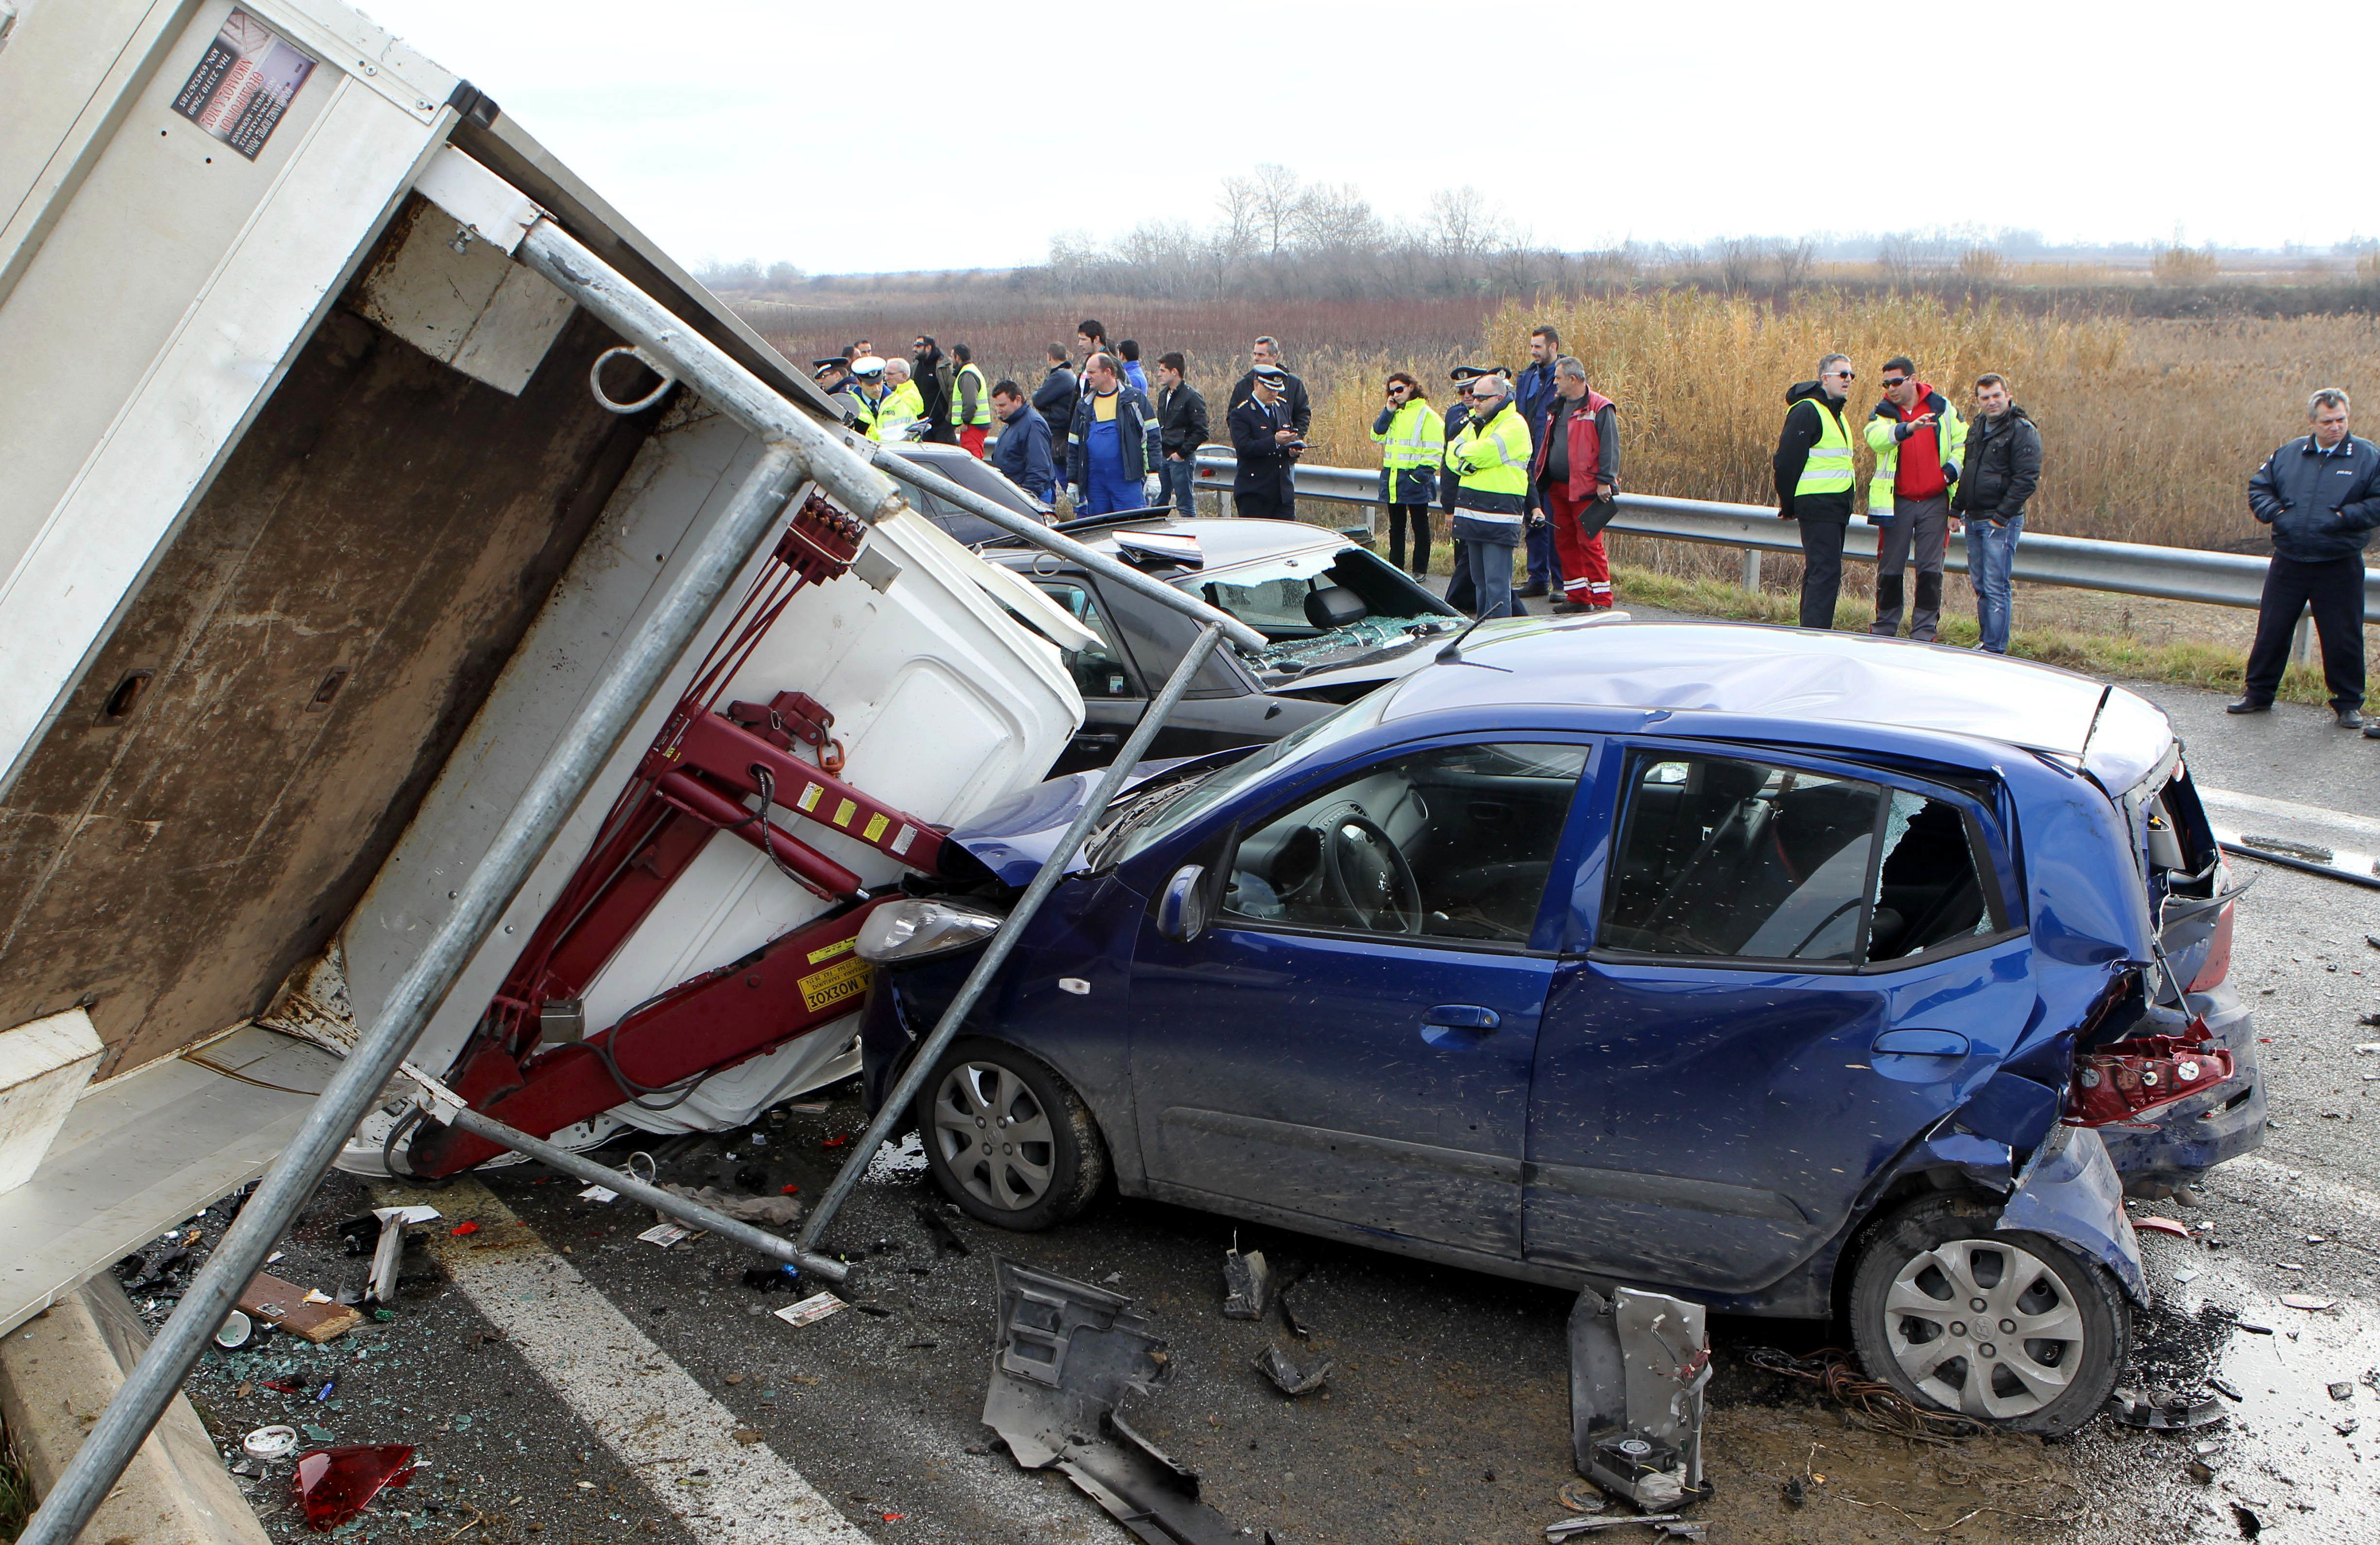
(1112, 454)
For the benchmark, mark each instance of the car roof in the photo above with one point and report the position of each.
(1844, 679)
(1224, 542)
(963, 467)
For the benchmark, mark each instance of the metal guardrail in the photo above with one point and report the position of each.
(2078, 563)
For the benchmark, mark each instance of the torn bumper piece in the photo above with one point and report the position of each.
(2070, 1190)
(1639, 1364)
(1068, 1354)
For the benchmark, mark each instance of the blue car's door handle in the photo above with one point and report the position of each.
(1920, 1042)
(1462, 1016)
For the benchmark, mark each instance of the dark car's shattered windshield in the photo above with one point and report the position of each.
(1310, 612)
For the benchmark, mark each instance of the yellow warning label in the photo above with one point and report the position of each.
(809, 797)
(875, 828)
(828, 952)
(845, 979)
(844, 812)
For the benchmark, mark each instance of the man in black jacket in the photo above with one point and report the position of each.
(1267, 448)
(1266, 356)
(1055, 398)
(2003, 468)
(1815, 482)
(2321, 495)
(932, 372)
(1181, 429)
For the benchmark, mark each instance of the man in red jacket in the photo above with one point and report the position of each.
(1576, 473)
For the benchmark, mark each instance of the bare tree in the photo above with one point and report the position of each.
(1459, 222)
(1278, 197)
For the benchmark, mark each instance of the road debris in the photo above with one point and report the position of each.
(776, 1212)
(946, 1237)
(2164, 1225)
(1569, 1526)
(812, 1309)
(1877, 1406)
(270, 1442)
(599, 1193)
(284, 1305)
(1639, 1364)
(2342, 1391)
(1580, 1497)
(668, 1234)
(1248, 1282)
(2308, 1302)
(235, 1331)
(335, 1484)
(1286, 1377)
(1068, 1354)
(2250, 1524)
(2174, 1413)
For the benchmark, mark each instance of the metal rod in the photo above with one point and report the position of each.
(1012, 929)
(654, 1197)
(724, 384)
(1099, 563)
(628, 684)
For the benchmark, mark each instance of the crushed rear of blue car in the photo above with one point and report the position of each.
(1790, 974)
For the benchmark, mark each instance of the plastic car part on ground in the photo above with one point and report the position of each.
(1639, 1363)
(1248, 1282)
(335, 1484)
(1068, 1354)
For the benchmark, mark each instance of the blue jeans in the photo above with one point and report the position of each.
(1991, 552)
(1491, 574)
(1180, 483)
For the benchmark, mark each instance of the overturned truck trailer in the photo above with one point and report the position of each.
(351, 441)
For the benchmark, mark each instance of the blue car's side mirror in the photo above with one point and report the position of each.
(1182, 907)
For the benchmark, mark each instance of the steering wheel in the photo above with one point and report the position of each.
(1367, 876)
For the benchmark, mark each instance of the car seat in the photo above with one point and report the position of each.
(1334, 606)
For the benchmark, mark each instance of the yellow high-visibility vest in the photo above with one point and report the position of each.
(1498, 461)
(1949, 434)
(982, 397)
(1829, 470)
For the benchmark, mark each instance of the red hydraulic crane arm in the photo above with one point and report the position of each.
(707, 772)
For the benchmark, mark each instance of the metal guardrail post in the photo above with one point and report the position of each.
(896, 1104)
(1752, 569)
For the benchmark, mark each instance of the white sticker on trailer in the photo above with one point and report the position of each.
(243, 85)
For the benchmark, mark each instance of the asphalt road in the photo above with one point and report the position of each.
(567, 1382)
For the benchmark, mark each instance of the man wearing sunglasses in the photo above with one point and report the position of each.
(1490, 458)
(1919, 440)
(1815, 482)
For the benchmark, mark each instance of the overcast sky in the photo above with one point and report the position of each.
(844, 136)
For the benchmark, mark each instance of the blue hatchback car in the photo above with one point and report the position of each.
(1797, 973)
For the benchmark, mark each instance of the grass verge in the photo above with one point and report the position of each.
(2183, 663)
(16, 1492)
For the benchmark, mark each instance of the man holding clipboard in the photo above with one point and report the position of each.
(1577, 472)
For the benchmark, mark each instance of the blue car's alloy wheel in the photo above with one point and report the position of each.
(2011, 1329)
(1007, 1139)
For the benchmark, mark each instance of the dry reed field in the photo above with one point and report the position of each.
(2151, 426)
